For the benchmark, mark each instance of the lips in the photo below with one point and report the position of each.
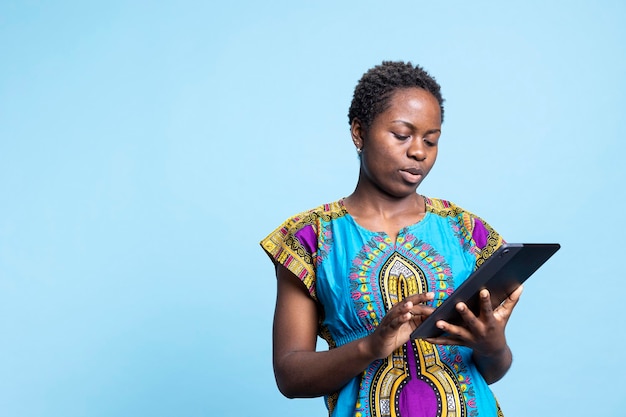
(412, 175)
(414, 171)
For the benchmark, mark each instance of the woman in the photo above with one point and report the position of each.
(364, 271)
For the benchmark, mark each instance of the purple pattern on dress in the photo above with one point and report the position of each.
(307, 238)
(417, 398)
(480, 233)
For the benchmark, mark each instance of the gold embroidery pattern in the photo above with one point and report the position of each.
(400, 278)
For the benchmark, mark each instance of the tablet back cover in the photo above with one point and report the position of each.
(501, 274)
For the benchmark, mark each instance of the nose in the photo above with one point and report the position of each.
(417, 149)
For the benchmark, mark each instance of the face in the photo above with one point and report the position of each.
(400, 146)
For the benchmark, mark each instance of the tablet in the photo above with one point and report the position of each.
(504, 271)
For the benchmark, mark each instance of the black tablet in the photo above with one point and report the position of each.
(504, 271)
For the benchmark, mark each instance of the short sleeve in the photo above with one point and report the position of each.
(294, 245)
(486, 239)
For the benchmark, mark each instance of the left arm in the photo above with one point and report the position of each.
(483, 334)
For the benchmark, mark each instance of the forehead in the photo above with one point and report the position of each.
(413, 103)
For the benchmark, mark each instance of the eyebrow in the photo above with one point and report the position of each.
(410, 125)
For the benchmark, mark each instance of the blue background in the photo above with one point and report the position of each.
(147, 147)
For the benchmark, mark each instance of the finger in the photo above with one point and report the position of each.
(485, 303)
(419, 314)
(421, 298)
(504, 310)
(515, 295)
(404, 312)
(411, 308)
(443, 340)
(422, 310)
(418, 311)
(510, 302)
(457, 334)
(397, 322)
(471, 321)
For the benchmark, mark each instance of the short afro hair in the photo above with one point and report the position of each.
(372, 93)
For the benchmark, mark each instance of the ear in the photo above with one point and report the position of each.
(357, 132)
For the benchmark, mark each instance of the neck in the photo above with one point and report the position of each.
(375, 203)
(381, 212)
(371, 199)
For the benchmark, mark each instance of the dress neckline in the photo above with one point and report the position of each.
(401, 233)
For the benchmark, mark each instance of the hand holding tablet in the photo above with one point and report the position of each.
(501, 274)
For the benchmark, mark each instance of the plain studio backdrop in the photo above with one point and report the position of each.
(147, 147)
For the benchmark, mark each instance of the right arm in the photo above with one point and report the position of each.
(300, 370)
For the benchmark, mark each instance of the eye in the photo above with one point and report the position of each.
(431, 140)
(400, 137)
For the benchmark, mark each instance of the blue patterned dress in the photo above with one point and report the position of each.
(357, 275)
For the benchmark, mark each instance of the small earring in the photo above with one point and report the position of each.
(358, 151)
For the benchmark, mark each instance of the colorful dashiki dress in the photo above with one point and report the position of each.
(356, 275)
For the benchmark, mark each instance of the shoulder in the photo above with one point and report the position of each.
(477, 232)
(312, 216)
(447, 209)
(300, 231)
(443, 208)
